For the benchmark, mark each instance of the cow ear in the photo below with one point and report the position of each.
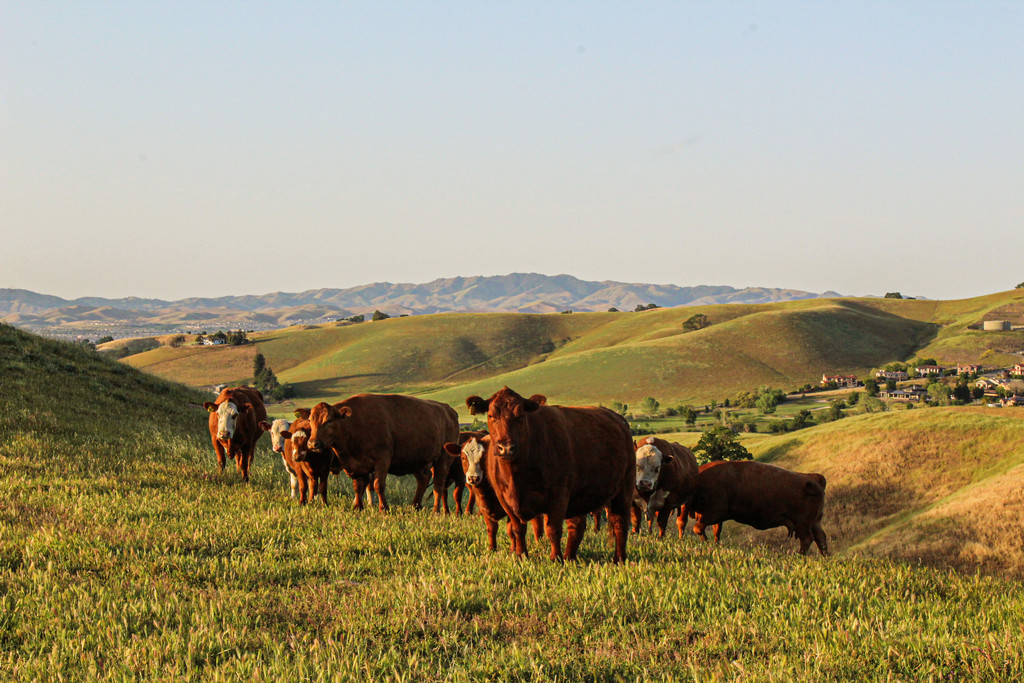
(477, 406)
(666, 457)
(344, 411)
(529, 405)
(302, 413)
(286, 434)
(210, 406)
(246, 408)
(539, 398)
(264, 425)
(452, 448)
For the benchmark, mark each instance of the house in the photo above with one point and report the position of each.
(968, 369)
(929, 369)
(913, 394)
(849, 381)
(1018, 369)
(897, 375)
(209, 341)
(1013, 401)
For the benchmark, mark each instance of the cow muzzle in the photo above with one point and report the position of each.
(644, 487)
(506, 450)
(473, 481)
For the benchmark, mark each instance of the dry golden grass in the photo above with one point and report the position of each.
(198, 365)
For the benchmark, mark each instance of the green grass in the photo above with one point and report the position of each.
(124, 555)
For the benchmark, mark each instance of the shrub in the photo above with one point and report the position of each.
(719, 443)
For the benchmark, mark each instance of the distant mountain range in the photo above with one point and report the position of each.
(517, 292)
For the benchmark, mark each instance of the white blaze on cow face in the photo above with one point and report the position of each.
(300, 441)
(227, 414)
(648, 467)
(472, 459)
(275, 434)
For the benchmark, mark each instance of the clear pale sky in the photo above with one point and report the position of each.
(181, 149)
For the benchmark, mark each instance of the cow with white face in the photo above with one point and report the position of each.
(234, 426)
(666, 477)
(278, 442)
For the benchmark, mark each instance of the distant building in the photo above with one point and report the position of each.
(967, 369)
(1014, 401)
(996, 325)
(913, 394)
(849, 381)
(1018, 369)
(929, 369)
(897, 375)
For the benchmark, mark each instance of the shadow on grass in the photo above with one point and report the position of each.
(776, 452)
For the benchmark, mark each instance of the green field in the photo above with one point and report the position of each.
(124, 555)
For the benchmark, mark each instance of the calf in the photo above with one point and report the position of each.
(762, 496)
(559, 462)
(278, 443)
(313, 468)
(666, 475)
(234, 426)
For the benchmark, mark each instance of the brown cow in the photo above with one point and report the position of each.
(313, 467)
(473, 456)
(234, 420)
(375, 435)
(762, 496)
(560, 462)
(666, 474)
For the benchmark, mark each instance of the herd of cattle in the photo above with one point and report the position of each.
(552, 465)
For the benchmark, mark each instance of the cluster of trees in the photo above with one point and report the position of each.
(696, 322)
(719, 443)
(266, 381)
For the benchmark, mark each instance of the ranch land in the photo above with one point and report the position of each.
(125, 554)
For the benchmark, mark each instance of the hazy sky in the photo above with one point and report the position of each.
(172, 149)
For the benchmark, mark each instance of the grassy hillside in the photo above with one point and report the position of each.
(124, 555)
(940, 486)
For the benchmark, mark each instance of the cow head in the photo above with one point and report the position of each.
(275, 429)
(649, 460)
(506, 425)
(472, 453)
(227, 417)
(298, 434)
(325, 425)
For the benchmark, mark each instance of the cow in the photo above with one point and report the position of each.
(234, 426)
(560, 462)
(278, 442)
(666, 476)
(457, 471)
(762, 496)
(374, 435)
(313, 468)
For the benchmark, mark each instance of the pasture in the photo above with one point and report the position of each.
(124, 554)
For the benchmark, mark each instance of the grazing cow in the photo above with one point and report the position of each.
(666, 475)
(234, 425)
(374, 435)
(762, 496)
(278, 443)
(560, 462)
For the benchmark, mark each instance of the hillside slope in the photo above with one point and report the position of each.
(942, 486)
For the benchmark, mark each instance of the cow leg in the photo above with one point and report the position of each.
(422, 479)
(219, 450)
(820, 539)
(492, 533)
(597, 520)
(538, 524)
(303, 486)
(440, 471)
(457, 497)
(681, 520)
(323, 486)
(553, 528)
(634, 517)
(663, 515)
(618, 511)
(805, 541)
(576, 527)
(517, 530)
(718, 533)
(359, 485)
(471, 505)
(379, 484)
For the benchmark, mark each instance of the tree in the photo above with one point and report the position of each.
(1020, 286)
(890, 384)
(648, 307)
(871, 387)
(962, 393)
(176, 341)
(801, 420)
(689, 415)
(620, 407)
(356, 318)
(379, 315)
(719, 443)
(939, 393)
(768, 399)
(696, 322)
(893, 295)
(649, 406)
(104, 340)
(613, 310)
